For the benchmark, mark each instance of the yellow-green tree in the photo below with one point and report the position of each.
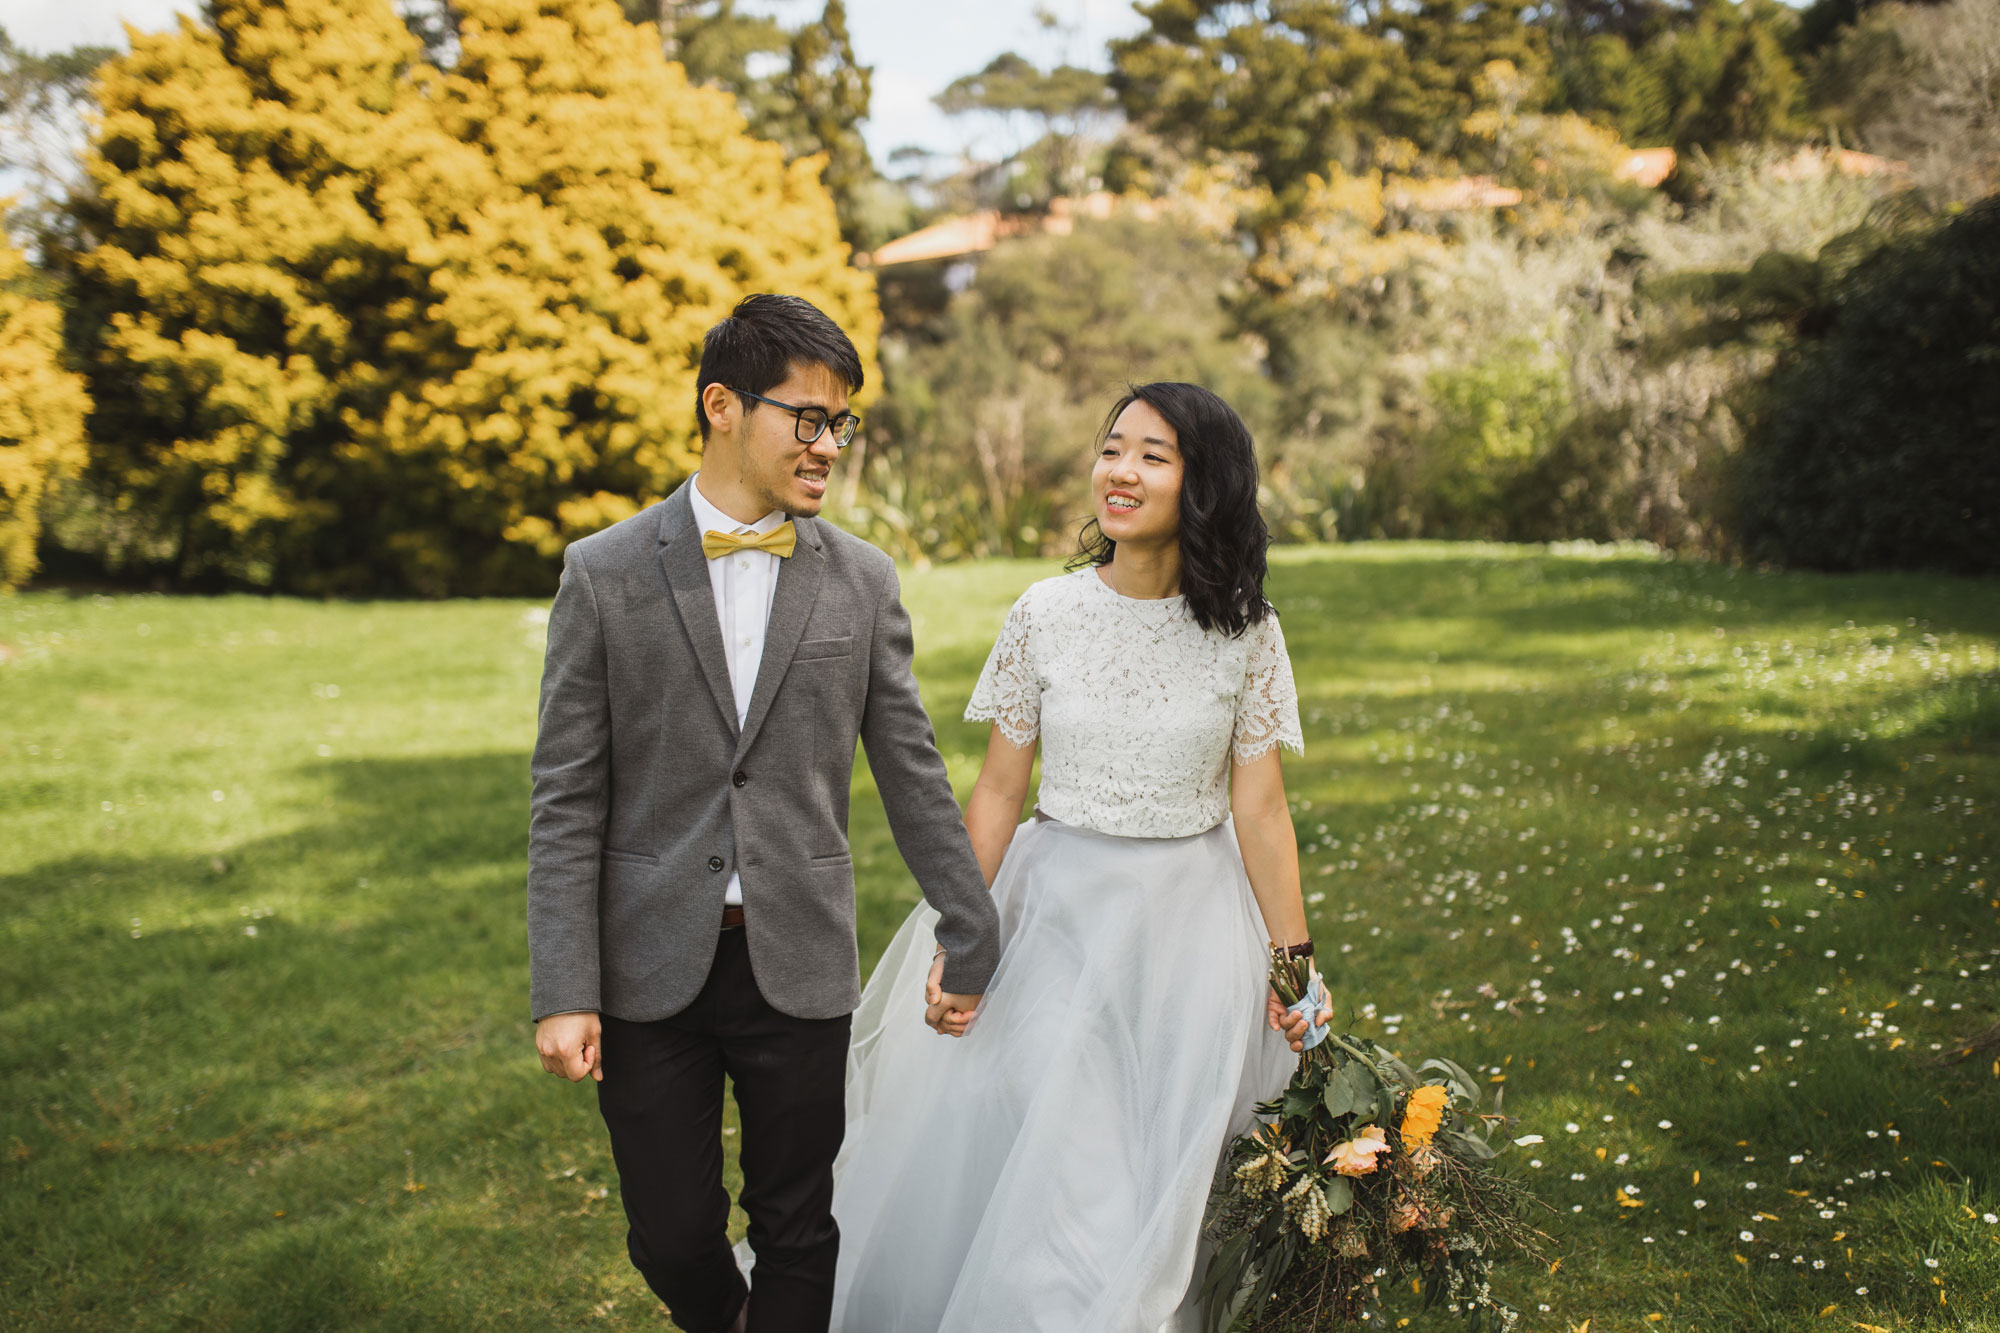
(41, 416)
(582, 216)
(240, 280)
(363, 324)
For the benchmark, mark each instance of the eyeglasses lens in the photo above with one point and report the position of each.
(813, 423)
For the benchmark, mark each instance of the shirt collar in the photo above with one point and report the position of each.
(710, 519)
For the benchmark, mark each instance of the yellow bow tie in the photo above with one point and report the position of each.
(779, 541)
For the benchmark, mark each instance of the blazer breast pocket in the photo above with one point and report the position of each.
(811, 650)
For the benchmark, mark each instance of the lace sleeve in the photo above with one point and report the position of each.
(1009, 693)
(1267, 712)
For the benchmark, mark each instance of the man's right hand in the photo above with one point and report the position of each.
(571, 1045)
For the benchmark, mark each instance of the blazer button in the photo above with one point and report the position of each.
(740, 779)
(715, 863)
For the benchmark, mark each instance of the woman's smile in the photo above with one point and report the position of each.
(1137, 481)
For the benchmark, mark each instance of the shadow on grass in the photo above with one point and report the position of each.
(1513, 597)
(406, 885)
(292, 1128)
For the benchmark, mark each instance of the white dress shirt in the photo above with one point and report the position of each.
(743, 583)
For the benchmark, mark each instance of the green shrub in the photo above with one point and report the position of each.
(983, 444)
(1878, 444)
(1491, 421)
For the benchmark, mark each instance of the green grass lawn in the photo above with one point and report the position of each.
(1697, 865)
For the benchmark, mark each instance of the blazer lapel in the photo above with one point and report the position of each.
(694, 598)
(791, 605)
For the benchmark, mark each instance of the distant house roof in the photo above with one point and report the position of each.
(974, 232)
(1451, 196)
(1650, 166)
(1646, 166)
(1810, 163)
(971, 233)
(940, 240)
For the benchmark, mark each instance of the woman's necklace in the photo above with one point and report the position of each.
(1153, 624)
(1111, 581)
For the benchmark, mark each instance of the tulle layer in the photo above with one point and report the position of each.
(1047, 1173)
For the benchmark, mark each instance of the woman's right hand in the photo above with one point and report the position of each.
(1282, 1019)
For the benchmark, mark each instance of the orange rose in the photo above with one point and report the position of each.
(1356, 1157)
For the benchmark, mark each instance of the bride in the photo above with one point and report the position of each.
(1049, 1172)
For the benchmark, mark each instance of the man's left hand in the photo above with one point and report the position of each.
(946, 1014)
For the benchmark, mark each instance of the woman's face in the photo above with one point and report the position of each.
(1136, 486)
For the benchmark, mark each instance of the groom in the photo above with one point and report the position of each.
(711, 662)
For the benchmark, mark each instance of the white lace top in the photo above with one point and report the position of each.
(1138, 708)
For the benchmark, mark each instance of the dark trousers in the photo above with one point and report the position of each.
(661, 1098)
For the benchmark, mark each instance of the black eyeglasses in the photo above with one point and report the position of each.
(813, 421)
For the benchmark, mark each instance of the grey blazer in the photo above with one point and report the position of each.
(646, 796)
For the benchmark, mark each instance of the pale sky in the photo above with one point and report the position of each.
(915, 46)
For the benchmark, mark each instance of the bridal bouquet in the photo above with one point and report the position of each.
(1364, 1172)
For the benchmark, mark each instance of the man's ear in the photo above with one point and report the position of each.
(722, 407)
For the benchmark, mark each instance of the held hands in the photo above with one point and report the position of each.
(571, 1045)
(946, 1014)
(1292, 1025)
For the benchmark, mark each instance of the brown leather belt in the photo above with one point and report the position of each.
(732, 917)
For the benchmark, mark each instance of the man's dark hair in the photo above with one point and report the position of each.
(764, 339)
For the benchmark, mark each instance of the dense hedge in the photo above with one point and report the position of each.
(41, 415)
(358, 324)
(1879, 443)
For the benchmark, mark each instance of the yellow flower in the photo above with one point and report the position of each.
(1422, 1115)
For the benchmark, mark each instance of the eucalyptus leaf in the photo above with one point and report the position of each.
(1231, 1256)
(1339, 1098)
(1476, 1148)
(1223, 1283)
(1362, 1085)
(1276, 1264)
(1450, 1069)
(1339, 1195)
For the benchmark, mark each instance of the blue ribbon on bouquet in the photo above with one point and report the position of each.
(1308, 1007)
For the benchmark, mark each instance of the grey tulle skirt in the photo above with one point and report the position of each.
(1049, 1170)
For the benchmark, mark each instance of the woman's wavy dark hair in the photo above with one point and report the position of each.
(1223, 537)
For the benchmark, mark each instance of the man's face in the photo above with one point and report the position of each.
(775, 468)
